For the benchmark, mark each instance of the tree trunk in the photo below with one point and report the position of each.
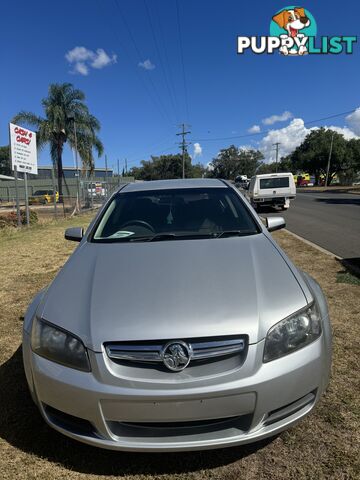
(60, 171)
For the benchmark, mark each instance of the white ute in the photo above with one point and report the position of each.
(272, 189)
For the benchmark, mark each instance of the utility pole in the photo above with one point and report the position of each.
(329, 160)
(183, 144)
(277, 154)
(126, 172)
(118, 167)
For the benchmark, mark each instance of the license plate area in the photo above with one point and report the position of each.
(182, 410)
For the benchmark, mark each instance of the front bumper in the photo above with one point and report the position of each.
(274, 201)
(220, 411)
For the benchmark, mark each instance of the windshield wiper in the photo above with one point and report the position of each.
(154, 238)
(234, 233)
(163, 236)
(170, 236)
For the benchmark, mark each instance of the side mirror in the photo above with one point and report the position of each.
(74, 233)
(275, 223)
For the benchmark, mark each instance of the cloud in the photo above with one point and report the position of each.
(209, 166)
(197, 150)
(82, 59)
(353, 121)
(78, 54)
(146, 65)
(80, 67)
(102, 59)
(254, 129)
(291, 137)
(277, 118)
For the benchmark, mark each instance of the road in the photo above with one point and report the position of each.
(331, 220)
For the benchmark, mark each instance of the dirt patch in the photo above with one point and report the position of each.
(325, 445)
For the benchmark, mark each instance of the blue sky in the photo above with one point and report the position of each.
(130, 68)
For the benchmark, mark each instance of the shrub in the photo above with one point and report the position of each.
(10, 219)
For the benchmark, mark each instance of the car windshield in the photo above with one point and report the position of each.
(41, 192)
(276, 182)
(174, 214)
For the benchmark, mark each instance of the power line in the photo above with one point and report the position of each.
(140, 59)
(131, 63)
(182, 59)
(157, 152)
(269, 130)
(167, 83)
(331, 116)
(183, 145)
(165, 43)
(156, 145)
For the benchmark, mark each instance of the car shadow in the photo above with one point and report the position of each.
(340, 201)
(270, 210)
(351, 265)
(22, 426)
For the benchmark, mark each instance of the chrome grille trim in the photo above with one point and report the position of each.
(199, 350)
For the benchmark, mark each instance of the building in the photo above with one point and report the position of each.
(6, 177)
(44, 172)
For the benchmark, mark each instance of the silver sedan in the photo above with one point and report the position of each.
(177, 324)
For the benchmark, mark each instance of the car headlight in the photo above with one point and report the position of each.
(293, 333)
(58, 345)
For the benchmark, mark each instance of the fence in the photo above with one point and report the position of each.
(92, 194)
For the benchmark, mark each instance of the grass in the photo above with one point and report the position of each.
(325, 445)
(346, 277)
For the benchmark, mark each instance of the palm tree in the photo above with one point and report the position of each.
(63, 106)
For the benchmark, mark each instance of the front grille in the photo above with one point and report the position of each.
(201, 350)
(169, 430)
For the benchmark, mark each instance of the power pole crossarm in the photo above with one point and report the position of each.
(183, 145)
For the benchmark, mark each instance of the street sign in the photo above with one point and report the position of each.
(23, 149)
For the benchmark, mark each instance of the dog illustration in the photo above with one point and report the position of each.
(293, 21)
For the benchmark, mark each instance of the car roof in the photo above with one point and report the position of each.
(171, 184)
(267, 175)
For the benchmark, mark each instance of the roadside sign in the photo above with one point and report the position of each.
(23, 149)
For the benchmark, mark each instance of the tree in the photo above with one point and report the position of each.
(233, 161)
(285, 165)
(5, 167)
(63, 106)
(166, 167)
(312, 155)
(348, 175)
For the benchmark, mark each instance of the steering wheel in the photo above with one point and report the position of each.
(140, 223)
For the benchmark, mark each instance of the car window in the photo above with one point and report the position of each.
(276, 182)
(179, 212)
(40, 192)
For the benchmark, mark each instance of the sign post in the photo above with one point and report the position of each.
(23, 159)
(26, 201)
(17, 198)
